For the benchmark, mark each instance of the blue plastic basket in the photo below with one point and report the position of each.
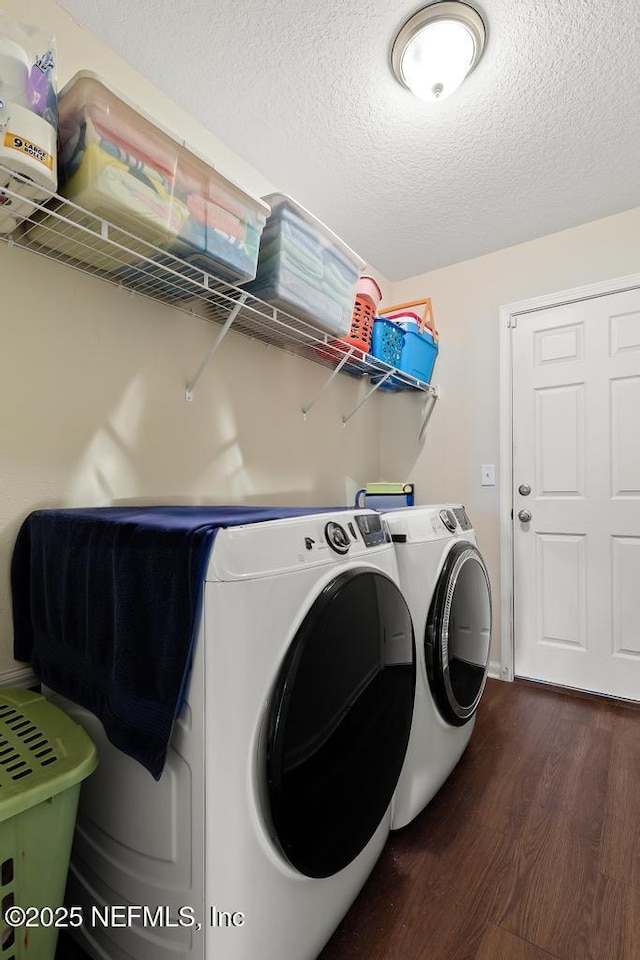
(419, 352)
(386, 341)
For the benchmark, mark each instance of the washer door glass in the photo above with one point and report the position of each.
(339, 722)
(458, 634)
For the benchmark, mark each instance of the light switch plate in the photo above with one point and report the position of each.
(488, 475)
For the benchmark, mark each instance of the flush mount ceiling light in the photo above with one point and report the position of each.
(437, 48)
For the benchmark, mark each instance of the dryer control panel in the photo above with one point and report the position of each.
(277, 546)
(462, 518)
(372, 529)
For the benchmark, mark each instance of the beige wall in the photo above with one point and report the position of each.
(92, 381)
(463, 431)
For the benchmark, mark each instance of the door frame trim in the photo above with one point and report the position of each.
(508, 312)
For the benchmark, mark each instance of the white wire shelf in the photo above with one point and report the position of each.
(56, 228)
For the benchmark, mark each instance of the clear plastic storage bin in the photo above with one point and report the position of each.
(44, 756)
(305, 269)
(119, 165)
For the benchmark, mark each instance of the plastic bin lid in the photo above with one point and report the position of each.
(9, 48)
(42, 751)
(88, 76)
(277, 200)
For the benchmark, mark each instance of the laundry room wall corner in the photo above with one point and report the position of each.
(463, 432)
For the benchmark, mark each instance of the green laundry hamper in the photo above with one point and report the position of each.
(44, 756)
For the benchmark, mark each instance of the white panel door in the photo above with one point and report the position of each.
(576, 443)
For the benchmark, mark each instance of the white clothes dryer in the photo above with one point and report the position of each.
(275, 800)
(446, 585)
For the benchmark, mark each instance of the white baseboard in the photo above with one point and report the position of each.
(494, 670)
(20, 677)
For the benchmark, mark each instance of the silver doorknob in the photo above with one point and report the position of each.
(524, 489)
(524, 516)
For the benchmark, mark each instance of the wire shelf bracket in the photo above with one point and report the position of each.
(429, 406)
(368, 394)
(214, 346)
(347, 356)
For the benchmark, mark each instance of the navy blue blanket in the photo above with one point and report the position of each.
(106, 606)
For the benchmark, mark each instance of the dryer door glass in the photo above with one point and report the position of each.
(458, 634)
(339, 722)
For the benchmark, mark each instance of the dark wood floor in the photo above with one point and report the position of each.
(68, 949)
(530, 851)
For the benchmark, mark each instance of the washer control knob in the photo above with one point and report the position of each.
(337, 537)
(449, 520)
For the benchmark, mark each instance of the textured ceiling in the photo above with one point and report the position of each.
(543, 135)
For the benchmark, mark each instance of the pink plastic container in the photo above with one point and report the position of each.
(367, 287)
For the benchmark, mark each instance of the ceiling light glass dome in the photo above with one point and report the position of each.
(437, 48)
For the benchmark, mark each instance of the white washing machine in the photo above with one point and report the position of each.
(275, 800)
(446, 585)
